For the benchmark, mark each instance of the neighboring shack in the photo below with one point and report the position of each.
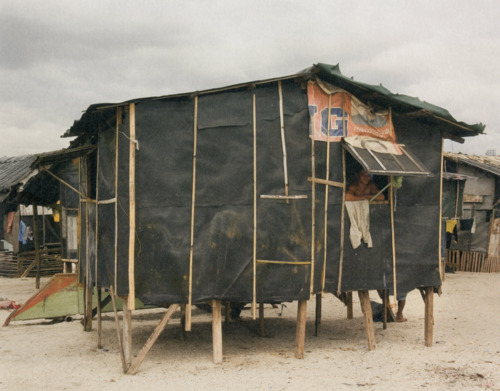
(474, 238)
(237, 194)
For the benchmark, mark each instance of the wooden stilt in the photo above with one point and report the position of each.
(385, 304)
(262, 327)
(183, 321)
(317, 323)
(127, 331)
(350, 312)
(429, 315)
(217, 331)
(300, 336)
(152, 339)
(99, 320)
(364, 299)
(227, 312)
(118, 334)
(37, 244)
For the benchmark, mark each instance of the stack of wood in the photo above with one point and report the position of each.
(8, 264)
(50, 262)
(472, 261)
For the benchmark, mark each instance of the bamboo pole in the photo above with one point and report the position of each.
(193, 198)
(325, 238)
(88, 282)
(440, 218)
(393, 239)
(313, 205)
(131, 238)
(37, 244)
(342, 213)
(254, 247)
(118, 334)
(99, 323)
(119, 113)
(283, 141)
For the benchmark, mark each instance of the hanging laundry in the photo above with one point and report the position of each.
(10, 221)
(22, 232)
(450, 225)
(359, 216)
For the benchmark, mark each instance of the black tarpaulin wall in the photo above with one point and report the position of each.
(224, 211)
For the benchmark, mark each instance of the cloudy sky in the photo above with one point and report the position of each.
(58, 57)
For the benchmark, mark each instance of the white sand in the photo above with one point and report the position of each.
(465, 356)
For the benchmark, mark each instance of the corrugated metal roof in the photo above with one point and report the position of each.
(375, 94)
(14, 169)
(489, 164)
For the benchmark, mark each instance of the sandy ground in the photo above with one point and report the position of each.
(41, 355)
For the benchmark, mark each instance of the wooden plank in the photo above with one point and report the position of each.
(300, 336)
(217, 331)
(429, 315)
(152, 339)
(364, 299)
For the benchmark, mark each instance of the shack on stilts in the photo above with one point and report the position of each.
(237, 194)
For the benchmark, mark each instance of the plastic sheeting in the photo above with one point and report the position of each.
(224, 212)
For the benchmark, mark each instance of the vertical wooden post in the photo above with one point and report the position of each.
(364, 299)
(99, 319)
(283, 141)
(385, 304)
(131, 190)
(317, 323)
(227, 312)
(350, 312)
(429, 315)
(127, 331)
(300, 336)
(88, 280)
(440, 217)
(217, 331)
(183, 321)
(37, 243)
(254, 247)
(262, 329)
(193, 203)
(117, 325)
(119, 113)
(325, 237)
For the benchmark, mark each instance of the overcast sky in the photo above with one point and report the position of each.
(59, 57)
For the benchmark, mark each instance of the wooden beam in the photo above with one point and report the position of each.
(152, 339)
(364, 299)
(217, 331)
(300, 336)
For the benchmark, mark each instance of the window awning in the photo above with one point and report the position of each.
(387, 163)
